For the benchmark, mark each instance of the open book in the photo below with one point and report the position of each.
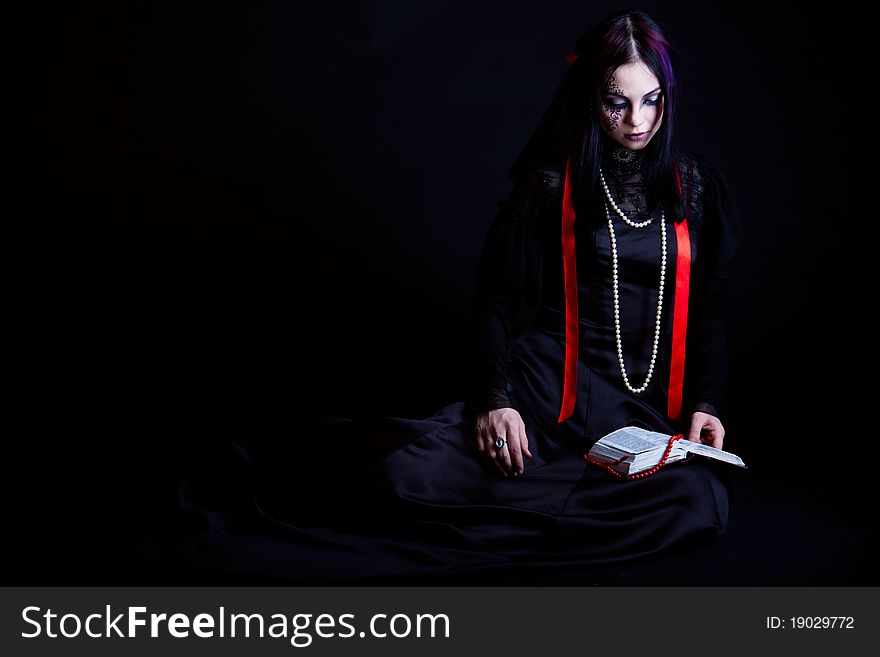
(632, 449)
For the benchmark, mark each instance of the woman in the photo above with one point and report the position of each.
(587, 364)
(601, 294)
(612, 121)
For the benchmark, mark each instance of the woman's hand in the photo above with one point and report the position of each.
(706, 429)
(504, 422)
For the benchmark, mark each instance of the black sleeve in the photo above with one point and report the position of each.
(502, 277)
(719, 240)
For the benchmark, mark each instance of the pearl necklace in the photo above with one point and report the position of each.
(626, 382)
(620, 212)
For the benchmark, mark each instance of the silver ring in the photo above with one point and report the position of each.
(500, 442)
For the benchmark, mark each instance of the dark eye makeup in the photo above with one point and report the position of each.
(623, 104)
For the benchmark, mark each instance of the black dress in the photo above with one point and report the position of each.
(421, 501)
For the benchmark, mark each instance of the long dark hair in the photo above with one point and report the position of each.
(570, 127)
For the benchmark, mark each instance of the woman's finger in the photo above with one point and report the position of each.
(502, 456)
(697, 422)
(716, 435)
(480, 437)
(514, 445)
(524, 441)
(488, 452)
(495, 455)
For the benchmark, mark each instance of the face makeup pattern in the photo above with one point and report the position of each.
(612, 113)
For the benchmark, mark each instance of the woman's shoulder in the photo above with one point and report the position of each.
(701, 177)
(546, 178)
(550, 178)
(703, 168)
(713, 199)
(693, 156)
(536, 190)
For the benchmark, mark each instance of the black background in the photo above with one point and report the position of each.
(226, 218)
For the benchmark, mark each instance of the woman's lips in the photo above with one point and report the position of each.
(637, 136)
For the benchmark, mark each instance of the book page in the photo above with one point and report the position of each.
(635, 440)
(711, 452)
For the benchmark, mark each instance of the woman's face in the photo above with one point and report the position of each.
(632, 105)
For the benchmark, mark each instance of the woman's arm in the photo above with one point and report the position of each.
(501, 281)
(719, 239)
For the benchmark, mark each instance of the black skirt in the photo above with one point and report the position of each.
(380, 496)
(389, 497)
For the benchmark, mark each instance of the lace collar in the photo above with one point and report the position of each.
(623, 163)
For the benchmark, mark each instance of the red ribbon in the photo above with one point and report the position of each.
(571, 299)
(679, 316)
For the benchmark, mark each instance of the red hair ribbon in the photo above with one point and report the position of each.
(679, 316)
(679, 313)
(569, 266)
(571, 57)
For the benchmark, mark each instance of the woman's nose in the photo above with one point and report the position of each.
(634, 117)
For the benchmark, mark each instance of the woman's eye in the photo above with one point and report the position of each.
(622, 105)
